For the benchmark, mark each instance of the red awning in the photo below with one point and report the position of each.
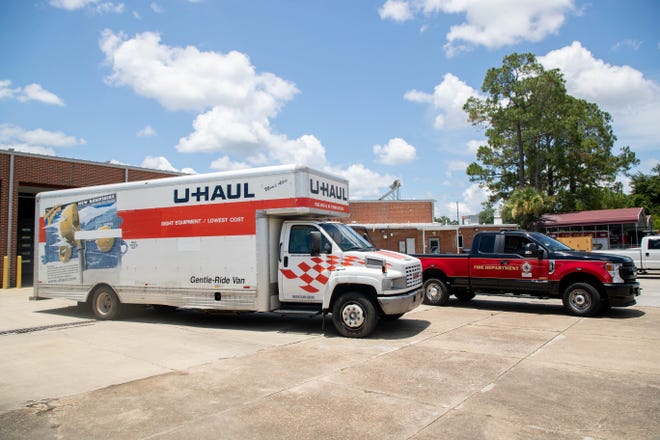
(597, 217)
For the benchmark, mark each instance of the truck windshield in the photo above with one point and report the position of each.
(346, 237)
(550, 243)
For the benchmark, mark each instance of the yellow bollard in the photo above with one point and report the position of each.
(5, 272)
(19, 271)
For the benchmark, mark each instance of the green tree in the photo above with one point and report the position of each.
(445, 220)
(646, 194)
(540, 137)
(525, 206)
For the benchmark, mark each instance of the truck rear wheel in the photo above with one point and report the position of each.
(435, 292)
(581, 299)
(354, 315)
(105, 303)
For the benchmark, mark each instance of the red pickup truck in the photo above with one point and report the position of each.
(531, 264)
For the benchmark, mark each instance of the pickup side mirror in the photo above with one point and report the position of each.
(315, 243)
(532, 250)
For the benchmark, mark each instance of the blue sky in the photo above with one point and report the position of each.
(370, 90)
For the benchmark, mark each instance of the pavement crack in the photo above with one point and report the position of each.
(19, 331)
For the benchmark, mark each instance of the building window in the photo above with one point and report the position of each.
(434, 245)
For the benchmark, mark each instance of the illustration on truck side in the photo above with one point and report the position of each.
(251, 241)
(531, 264)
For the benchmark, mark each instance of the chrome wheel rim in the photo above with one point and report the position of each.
(353, 315)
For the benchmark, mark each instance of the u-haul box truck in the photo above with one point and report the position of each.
(250, 240)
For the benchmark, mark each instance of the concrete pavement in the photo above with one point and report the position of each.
(494, 368)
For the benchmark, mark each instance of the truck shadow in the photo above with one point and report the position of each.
(551, 307)
(252, 321)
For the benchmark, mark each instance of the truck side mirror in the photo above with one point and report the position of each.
(315, 243)
(532, 250)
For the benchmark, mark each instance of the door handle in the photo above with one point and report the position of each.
(504, 262)
(286, 261)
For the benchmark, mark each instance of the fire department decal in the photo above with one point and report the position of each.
(312, 273)
(526, 270)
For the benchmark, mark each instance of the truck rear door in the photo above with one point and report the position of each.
(500, 264)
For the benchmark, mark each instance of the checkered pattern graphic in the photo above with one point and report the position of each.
(311, 272)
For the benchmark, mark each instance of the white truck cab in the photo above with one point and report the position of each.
(254, 240)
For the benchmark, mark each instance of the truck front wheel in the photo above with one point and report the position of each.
(581, 299)
(105, 303)
(354, 315)
(435, 292)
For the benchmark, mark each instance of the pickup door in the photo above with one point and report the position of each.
(499, 263)
(651, 254)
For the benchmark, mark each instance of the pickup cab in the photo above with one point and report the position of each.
(646, 257)
(531, 264)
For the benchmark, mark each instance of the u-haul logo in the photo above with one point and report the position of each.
(328, 190)
(229, 191)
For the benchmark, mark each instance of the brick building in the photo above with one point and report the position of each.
(390, 211)
(23, 175)
(407, 226)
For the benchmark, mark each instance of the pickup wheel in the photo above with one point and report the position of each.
(105, 303)
(354, 315)
(435, 292)
(582, 299)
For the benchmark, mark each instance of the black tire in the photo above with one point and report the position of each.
(464, 296)
(105, 303)
(435, 292)
(354, 315)
(581, 299)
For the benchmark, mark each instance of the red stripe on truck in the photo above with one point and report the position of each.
(237, 218)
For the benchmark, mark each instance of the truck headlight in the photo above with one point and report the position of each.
(394, 283)
(613, 269)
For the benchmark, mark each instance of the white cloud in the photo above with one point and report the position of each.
(628, 43)
(94, 5)
(38, 137)
(147, 131)
(31, 92)
(158, 9)
(396, 152)
(446, 102)
(363, 182)
(632, 100)
(397, 10)
(469, 204)
(473, 146)
(454, 166)
(26, 148)
(184, 78)
(72, 5)
(37, 141)
(233, 103)
(157, 163)
(487, 23)
(225, 164)
(5, 91)
(34, 92)
(109, 8)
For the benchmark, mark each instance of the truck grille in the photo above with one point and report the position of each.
(628, 272)
(414, 275)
